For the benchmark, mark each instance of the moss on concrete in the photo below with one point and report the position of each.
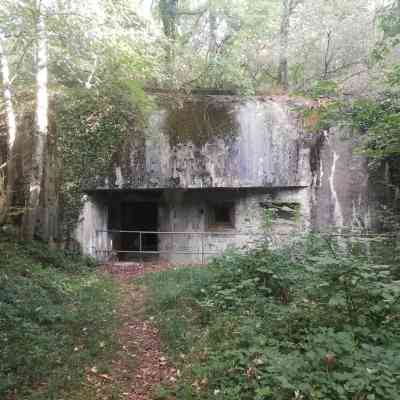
(200, 120)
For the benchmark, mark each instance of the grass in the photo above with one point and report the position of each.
(174, 294)
(57, 321)
(313, 321)
(309, 322)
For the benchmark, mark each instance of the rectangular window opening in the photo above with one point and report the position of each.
(289, 211)
(222, 216)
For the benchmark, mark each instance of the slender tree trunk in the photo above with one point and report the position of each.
(283, 78)
(212, 46)
(327, 58)
(12, 133)
(168, 10)
(41, 128)
(213, 26)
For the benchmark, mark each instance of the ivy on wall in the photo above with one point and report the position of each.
(91, 125)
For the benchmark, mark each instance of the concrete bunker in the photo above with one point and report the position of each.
(175, 225)
(211, 172)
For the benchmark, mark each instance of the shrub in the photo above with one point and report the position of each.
(324, 88)
(56, 317)
(313, 321)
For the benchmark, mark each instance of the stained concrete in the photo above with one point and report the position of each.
(191, 211)
(251, 153)
(339, 194)
(229, 143)
(189, 233)
(92, 225)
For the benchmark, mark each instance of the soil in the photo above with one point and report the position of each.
(139, 367)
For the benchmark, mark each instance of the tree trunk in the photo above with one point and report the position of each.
(283, 78)
(41, 128)
(169, 11)
(12, 133)
(327, 57)
(213, 26)
(212, 47)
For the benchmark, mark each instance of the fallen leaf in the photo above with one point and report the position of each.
(106, 377)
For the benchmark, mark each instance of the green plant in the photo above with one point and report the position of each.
(56, 318)
(316, 320)
(324, 88)
(92, 125)
(269, 215)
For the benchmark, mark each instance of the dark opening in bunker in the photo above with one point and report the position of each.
(221, 216)
(137, 218)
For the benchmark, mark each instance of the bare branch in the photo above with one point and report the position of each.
(199, 11)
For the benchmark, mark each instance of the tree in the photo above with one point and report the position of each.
(41, 122)
(61, 47)
(168, 13)
(332, 42)
(12, 132)
(288, 8)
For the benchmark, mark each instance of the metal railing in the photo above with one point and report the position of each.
(111, 243)
(116, 243)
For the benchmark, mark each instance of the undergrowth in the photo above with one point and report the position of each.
(56, 320)
(313, 321)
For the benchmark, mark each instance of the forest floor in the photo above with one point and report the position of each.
(139, 367)
(123, 332)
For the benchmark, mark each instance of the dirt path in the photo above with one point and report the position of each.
(139, 366)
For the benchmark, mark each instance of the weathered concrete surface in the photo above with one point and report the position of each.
(192, 211)
(339, 194)
(92, 224)
(252, 153)
(216, 141)
(188, 216)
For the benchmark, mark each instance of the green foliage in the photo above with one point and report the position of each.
(178, 329)
(374, 121)
(269, 215)
(91, 127)
(279, 210)
(389, 21)
(327, 115)
(324, 88)
(379, 120)
(56, 318)
(317, 320)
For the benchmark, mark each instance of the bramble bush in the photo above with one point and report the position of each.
(313, 321)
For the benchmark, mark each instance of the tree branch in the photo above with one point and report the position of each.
(191, 13)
